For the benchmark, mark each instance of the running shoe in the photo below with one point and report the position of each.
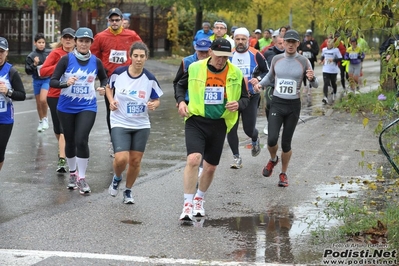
(61, 166)
(83, 186)
(113, 188)
(187, 213)
(45, 123)
(255, 148)
(266, 130)
(40, 126)
(268, 169)
(199, 210)
(127, 197)
(72, 180)
(325, 100)
(237, 162)
(283, 182)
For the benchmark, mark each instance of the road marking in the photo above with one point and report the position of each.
(19, 257)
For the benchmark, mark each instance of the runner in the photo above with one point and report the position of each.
(75, 75)
(207, 119)
(286, 75)
(11, 88)
(330, 58)
(220, 31)
(66, 45)
(112, 46)
(251, 62)
(33, 63)
(355, 56)
(132, 93)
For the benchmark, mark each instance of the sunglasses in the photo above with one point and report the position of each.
(115, 20)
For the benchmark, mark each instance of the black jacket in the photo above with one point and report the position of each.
(394, 40)
(30, 68)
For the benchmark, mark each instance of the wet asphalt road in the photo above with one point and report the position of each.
(249, 219)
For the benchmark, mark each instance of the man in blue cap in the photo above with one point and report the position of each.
(201, 52)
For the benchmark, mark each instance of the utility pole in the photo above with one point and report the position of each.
(34, 21)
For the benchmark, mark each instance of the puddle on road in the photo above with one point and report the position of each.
(282, 235)
(131, 222)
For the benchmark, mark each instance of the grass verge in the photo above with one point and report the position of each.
(372, 218)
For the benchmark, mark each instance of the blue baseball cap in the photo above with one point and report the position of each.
(202, 45)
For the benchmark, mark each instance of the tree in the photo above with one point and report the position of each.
(201, 6)
(65, 6)
(355, 17)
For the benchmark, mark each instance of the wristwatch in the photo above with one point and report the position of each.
(9, 92)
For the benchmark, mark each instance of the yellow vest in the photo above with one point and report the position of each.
(196, 90)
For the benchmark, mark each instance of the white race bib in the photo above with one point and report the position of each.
(245, 70)
(117, 56)
(3, 105)
(307, 54)
(286, 86)
(214, 95)
(134, 109)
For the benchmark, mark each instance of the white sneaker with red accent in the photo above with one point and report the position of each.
(187, 213)
(199, 210)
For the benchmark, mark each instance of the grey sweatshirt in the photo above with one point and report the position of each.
(286, 75)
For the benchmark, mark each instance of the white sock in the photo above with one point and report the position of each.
(82, 166)
(200, 194)
(71, 164)
(188, 198)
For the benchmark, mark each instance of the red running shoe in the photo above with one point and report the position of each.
(268, 169)
(283, 180)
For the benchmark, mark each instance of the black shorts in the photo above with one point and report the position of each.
(205, 136)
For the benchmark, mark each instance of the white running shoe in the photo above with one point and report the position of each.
(325, 100)
(40, 126)
(73, 178)
(266, 130)
(84, 188)
(199, 210)
(187, 213)
(127, 197)
(237, 162)
(114, 187)
(45, 123)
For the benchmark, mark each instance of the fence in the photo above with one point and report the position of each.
(16, 27)
(50, 28)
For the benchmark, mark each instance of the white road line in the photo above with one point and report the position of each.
(18, 257)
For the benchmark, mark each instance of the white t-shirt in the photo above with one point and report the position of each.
(132, 95)
(329, 66)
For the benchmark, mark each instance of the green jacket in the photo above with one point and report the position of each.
(196, 90)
